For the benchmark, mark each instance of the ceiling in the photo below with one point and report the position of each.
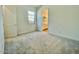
(13, 6)
(35, 6)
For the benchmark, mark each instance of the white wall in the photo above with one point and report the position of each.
(64, 21)
(16, 20)
(1, 33)
(22, 19)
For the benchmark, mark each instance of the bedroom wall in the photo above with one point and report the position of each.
(16, 20)
(1, 33)
(22, 19)
(64, 21)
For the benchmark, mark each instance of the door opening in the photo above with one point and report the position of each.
(45, 20)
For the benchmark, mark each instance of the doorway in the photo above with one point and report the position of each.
(42, 19)
(45, 20)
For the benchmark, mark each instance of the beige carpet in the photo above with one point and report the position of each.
(40, 43)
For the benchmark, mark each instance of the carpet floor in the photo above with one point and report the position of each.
(40, 43)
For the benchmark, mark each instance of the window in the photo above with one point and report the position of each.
(31, 17)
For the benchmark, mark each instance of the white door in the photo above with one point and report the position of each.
(10, 24)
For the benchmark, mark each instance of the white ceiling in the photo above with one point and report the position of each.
(36, 6)
(13, 6)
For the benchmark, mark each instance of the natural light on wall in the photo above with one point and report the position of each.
(31, 17)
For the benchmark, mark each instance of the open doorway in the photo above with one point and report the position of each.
(45, 20)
